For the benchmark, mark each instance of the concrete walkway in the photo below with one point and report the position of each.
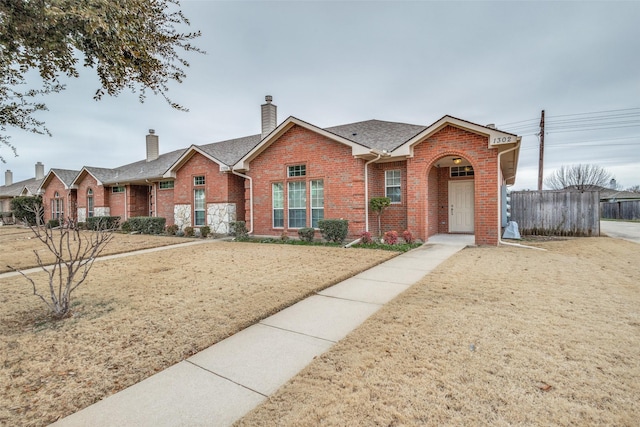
(219, 385)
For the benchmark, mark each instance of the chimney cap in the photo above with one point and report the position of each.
(268, 98)
(152, 131)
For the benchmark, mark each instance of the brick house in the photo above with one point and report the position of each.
(11, 190)
(59, 196)
(446, 177)
(443, 178)
(136, 189)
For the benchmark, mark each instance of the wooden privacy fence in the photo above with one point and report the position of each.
(556, 213)
(628, 209)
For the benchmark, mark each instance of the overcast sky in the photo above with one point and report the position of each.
(331, 63)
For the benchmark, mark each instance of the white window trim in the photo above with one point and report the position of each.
(273, 198)
(316, 208)
(387, 186)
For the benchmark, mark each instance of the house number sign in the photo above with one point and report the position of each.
(503, 139)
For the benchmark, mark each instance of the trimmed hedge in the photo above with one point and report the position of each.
(103, 222)
(334, 230)
(145, 225)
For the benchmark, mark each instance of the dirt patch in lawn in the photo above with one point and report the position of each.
(494, 336)
(140, 314)
(18, 243)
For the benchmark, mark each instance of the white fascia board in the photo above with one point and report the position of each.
(171, 172)
(84, 169)
(495, 137)
(243, 163)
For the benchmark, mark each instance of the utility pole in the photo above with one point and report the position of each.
(541, 162)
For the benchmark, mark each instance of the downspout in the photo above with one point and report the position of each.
(126, 212)
(366, 191)
(250, 196)
(366, 199)
(500, 241)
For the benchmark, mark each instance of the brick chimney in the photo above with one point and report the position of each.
(8, 178)
(39, 170)
(153, 146)
(269, 119)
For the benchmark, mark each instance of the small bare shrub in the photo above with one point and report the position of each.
(189, 232)
(74, 251)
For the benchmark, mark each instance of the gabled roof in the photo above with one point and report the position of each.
(140, 172)
(65, 176)
(356, 147)
(495, 137)
(224, 153)
(23, 188)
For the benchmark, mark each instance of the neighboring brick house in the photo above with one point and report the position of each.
(206, 191)
(136, 189)
(11, 190)
(443, 178)
(59, 197)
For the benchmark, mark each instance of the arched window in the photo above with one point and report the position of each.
(90, 203)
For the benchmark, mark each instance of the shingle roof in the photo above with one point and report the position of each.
(15, 189)
(142, 169)
(65, 175)
(377, 133)
(232, 150)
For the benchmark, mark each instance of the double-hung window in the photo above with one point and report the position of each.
(277, 191)
(297, 192)
(198, 207)
(317, 202)
(392, 185)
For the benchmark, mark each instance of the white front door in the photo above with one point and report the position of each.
(461, 207)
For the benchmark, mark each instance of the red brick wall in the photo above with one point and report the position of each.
(325, 159)
(164, 203)
(117, 204)
(137, 200)
(236, 189)
(100, 196)
(451, 141)
(395, 216)
(220, 187)
(68, 197)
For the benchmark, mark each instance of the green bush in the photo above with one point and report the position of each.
(125, 227)
(189, 231)
(25, 208)
(334, 230)
(238, 229)
(306, 234)
(103, 222)
(146, 224)
(172, 229)
(53, 223)
(81, 225)
(205, 231)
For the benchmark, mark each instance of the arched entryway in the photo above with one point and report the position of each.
(451, 207)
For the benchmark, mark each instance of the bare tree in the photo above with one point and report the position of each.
(580, 177)
(74, 253)
(634, 189)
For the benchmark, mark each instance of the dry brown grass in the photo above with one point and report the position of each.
(555, 335)
(18, 243)
(138, 315)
